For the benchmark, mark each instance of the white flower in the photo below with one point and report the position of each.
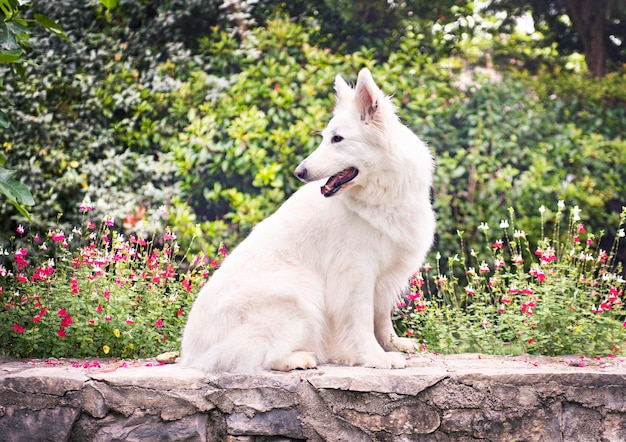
(621, 233)
(561, 204)
(519, 234)
(438, 257)
(576, 213)
(483, 226)
(542, 209)
(504, 224)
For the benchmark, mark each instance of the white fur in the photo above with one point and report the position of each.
(316, 282)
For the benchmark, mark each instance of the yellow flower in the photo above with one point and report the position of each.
(116, 332)
(106, 349)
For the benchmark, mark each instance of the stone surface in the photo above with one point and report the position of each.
(437, 398)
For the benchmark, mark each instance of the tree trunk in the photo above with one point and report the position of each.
(589, 20)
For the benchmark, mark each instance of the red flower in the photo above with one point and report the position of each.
(67, 321)
(62, 313)
(37, 318)
(18, 328)
(61, 333)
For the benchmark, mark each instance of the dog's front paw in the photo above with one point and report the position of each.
(391, 359)
(297, 360)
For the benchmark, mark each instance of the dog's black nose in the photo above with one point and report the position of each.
(301, 172)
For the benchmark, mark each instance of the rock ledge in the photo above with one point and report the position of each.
(438, 398)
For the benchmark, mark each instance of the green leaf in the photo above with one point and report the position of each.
(109, 4)
(11, 56)
(17, 192)
(51, 26)
(4, 119)
(9, 7)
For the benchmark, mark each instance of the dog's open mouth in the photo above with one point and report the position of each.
(337, 181)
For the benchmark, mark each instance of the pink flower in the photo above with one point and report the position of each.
(109, 221)
(20, 229)
(99, 309)
(130, 321)
(107, 318)
(85, 207)
(37, 318)
(90, 225)
(18, 328)
(413, 296)
(158, 323)
(57, 236)
(497, 244)
(581, 228)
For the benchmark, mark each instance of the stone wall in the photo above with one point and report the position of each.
(451, 398)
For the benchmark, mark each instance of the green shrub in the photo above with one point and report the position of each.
(562, 296)
(95, 292)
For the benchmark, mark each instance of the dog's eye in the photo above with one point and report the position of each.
(336, 139)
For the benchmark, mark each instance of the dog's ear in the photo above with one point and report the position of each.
(342, 89)
(368, 97)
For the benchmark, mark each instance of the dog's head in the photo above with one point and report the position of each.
(354, 139)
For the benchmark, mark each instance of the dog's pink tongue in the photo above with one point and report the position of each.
(336, 181)
(333, 182)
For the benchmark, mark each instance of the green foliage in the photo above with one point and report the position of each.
(563, 296)
(159, 105)
(16, 192)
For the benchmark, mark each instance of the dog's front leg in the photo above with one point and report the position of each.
(361, 343)
(386, 335)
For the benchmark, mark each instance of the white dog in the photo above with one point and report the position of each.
(317, 281)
